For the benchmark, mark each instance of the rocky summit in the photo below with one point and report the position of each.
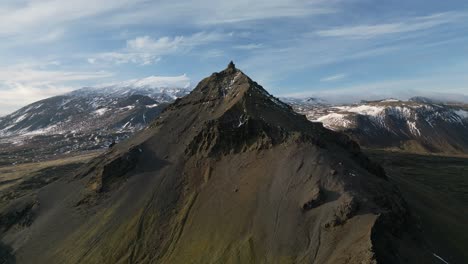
(226, 174)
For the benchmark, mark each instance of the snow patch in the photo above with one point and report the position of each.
(129, 107)
(38, 106)
(41, 131)
(440, 258)
(101, 111)
(400, 112)
(334, 121)
(21, 118)
(412, 127)
(242, 121)
(461, 113)
(367, 110)
(390, 100)
(152, 106)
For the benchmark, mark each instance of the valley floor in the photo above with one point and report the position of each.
(436, 189)
(11, 175)
(20, 180)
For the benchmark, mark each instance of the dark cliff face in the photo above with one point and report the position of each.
(227, 174)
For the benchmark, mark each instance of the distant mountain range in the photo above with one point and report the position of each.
(418, 124)
(85, 119)
(93, 117)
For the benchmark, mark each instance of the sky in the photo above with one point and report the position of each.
(337, 49)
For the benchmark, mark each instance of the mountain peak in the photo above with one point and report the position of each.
(231, 86)
(231, 65)
(228, 84)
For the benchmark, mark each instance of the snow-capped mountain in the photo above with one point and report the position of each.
(160, 89)
(87, 118)
(419, 124)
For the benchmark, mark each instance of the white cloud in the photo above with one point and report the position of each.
(142, 58)
(50, 36)
(32, 15)
(34, 76)
(409, 25)
(15, 94)
(161, 45)
(251, 46)
(181, 81)
(166, 45)
(24, 84)
(208, 12)
(246, 10)
(147, 50)
(333, 78)
(309, 51)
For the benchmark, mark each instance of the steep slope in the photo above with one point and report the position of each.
(227, 174)
(88, 118)
(420, 124)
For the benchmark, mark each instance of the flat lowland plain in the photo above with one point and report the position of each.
(436, 189)
(13, 175)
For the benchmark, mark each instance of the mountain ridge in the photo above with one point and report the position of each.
(416, 125)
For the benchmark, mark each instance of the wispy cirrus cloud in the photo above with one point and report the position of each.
(32, 16)
(142, 58)
(323, 47)
(50, 36)
(34, 75)
(221, 12)
(245, 10)
(18, 17)
(251, 46)
(169, 44)
(181, 81)
(334, 78)
(407, 25)
(146, 50)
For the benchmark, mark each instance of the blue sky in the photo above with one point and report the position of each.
(337, 49)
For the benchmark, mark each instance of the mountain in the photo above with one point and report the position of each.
(165, 89)
(226, 174)
(419, 124)
(305, 101)
(85, 119)
(424, 100)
